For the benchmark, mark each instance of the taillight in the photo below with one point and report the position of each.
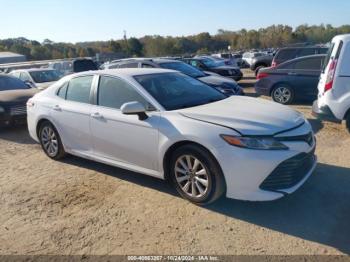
(330, 75)
(262, 75)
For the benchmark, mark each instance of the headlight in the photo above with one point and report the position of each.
(258, 143)
(2, 110)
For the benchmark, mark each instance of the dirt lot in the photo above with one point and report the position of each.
(81, 207)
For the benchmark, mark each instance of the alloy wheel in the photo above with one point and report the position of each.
(49, 141)
(192, 176)
(282, 95)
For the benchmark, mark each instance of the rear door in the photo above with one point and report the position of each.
(305, 76)
(71, 114)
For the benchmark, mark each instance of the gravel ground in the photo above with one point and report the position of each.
(81, 207)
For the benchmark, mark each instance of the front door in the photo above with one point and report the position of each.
(119, 137)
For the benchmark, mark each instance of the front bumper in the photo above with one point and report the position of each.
(324, 113)
(245, 170)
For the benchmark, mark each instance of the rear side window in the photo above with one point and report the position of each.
(306, 52)
(284, 55)
(309, 64)
(114, 92)
(146, 65)
(79, 89)
(63, 91)
(129, 65)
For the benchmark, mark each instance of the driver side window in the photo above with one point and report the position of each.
(114, 92)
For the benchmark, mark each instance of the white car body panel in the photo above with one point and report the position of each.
(125, 141)
(338, 98)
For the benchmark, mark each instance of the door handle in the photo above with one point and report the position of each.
(57, 108)
(96, 115)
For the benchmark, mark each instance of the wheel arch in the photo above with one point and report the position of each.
(178, 144)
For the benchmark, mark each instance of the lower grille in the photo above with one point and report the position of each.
(289, 173)
(18, 110)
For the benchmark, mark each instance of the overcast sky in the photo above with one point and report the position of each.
(89, 20)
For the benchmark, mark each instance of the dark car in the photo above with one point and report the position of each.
(260, 62)
(14, 95)
(215, 66)
(292, 80)
(289, 53)
(223, 84)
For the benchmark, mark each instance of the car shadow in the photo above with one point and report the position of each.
(317, 212)
(17, 134)
(316, 124)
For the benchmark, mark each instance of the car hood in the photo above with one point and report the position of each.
(248, 116)
(19, 95)
(217, 80)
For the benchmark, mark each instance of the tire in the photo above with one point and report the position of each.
(258, 69)
(348, 122)
(50, 141)
(283, 94)
(207, 178)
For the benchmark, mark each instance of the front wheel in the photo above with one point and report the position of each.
(283, 94)
(50, 141)
(196, 175)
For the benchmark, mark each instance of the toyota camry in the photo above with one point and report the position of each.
(168, 125)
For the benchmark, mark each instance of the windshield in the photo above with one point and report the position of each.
(175, 90)
(183, 68)
(213, 63)
(11, 83)
(44, 76)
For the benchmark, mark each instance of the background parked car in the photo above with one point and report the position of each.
(333, 102)
(231, 60)
(219, 67)
(289, 53)
(14, 95)
(260, 62)
(292, 80)
(223, 84)
(249, 56)
(38, 78)
(74, 66)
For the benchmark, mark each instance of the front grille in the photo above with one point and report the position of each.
(18, 110)
(308, 138)
(290, 172)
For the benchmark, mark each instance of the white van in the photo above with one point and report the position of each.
(333, 102)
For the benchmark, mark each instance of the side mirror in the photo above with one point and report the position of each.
(134, 108)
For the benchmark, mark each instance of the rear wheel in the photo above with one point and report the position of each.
(196, 175)
(348, 122)
(50, 141)
(283, 94)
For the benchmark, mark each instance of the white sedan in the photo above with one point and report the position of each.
(168, 125)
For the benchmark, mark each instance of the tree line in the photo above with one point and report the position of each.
(274, 36)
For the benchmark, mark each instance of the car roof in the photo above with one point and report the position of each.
(127, 72)
(32, 70)
(302, 47)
